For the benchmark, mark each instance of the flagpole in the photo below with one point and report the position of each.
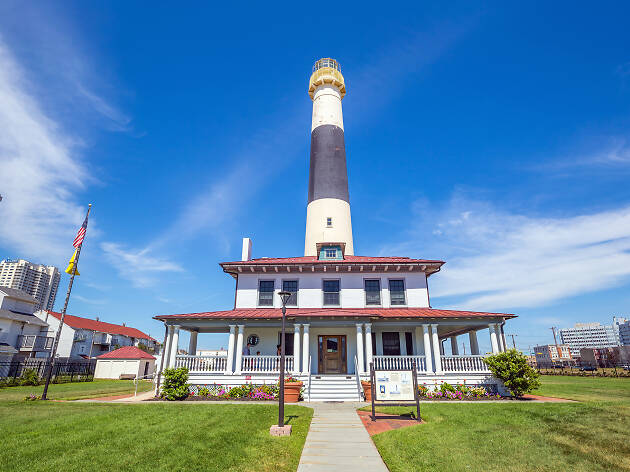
(63, 315)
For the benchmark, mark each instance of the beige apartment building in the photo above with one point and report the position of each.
(39, 281)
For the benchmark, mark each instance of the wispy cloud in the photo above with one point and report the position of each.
(138, 266)
(40, 171)
(91, 301)
(609, 154)
(500, 260)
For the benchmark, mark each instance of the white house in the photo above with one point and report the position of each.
(88, 338)
(125, 362)
(346, 312)
(22, 334)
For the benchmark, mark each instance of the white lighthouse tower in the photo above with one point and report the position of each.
(328, 212)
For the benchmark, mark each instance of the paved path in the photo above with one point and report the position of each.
(338, 441)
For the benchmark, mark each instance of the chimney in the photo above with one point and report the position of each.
(97, 318)
(246, 255)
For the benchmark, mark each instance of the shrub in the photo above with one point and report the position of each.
(29, 377)
(204, 392)
(175, 384)
(511, 367)
(477, 392)
(446, 388)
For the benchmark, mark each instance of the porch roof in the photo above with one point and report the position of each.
(272, 313)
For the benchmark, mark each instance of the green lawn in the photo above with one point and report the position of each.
(593, 435)
(42, 436)
(76, 390)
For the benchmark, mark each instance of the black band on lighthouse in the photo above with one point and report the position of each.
(328, 176)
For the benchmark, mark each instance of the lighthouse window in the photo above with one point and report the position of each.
(331, 292)
(372, 292)
(329, 222)
(265, 292)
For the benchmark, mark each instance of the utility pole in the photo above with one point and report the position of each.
(513, 336)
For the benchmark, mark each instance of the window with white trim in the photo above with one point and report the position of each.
(291, 286)
(265, 292)
(372, 292)
(397, 292)
(331, 292)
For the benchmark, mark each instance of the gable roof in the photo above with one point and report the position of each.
(79, 322)
(269, 313)
(19, 294)
(126, 352)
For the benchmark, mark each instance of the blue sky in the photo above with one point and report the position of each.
(494, 137)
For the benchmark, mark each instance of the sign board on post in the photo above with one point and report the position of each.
(391, 387)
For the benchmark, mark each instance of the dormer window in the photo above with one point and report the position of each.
(330, 253)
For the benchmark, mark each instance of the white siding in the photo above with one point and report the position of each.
(352, 295)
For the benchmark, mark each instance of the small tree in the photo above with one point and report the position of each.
(175, 384)
(512, 368)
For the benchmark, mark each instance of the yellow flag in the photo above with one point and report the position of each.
(71, 265)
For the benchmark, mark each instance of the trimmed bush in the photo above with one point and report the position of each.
(511, 367)
(175, 384)
(29, 377)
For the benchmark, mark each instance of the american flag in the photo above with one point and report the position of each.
(80, 234)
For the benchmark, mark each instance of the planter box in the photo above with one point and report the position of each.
(292, 391)
(367, 390)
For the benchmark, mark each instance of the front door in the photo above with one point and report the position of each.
(332, 354)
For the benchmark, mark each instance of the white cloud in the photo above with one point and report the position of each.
(39, 175)
(497, 260)
(138, 266)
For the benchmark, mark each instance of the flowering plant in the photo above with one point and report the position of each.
(291, 379)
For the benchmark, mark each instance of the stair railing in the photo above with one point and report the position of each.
(356, 373)
(309, 378)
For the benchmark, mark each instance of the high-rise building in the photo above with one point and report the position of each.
(591, 335)
(37, 280)
(624, 333)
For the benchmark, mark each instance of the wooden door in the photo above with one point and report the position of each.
(332, 354)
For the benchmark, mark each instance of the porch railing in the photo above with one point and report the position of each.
(464, 364)
(202, 363)
(34, 342)
(265, 364)
(399, 363)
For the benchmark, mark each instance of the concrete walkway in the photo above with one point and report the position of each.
(337, 440)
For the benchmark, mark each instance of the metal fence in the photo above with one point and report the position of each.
(63, 371)
(622, 370)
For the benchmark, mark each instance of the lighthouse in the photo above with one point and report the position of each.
(328, 219)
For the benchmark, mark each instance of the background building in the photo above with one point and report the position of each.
(624, 333)
(83, 337)
(22, 334)
(591, 335)
(37, 280)
(549, 355)
(606, 356)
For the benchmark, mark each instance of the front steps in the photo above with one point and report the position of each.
(340, 388)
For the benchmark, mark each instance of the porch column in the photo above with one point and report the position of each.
(305, 352)
(493, 338)
(239, 349)
(230, 354)
(192, 344)
(174, 346)
(368, 346)
(436, 349)
(427, 348)
(360, 348)
(296, 349)
(454, 346)
(474, 345)
(166, 349)
(442, 346)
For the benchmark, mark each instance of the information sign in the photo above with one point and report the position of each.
(394, 385)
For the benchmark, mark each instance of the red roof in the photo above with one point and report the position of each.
(126, 352)
(78, 322)
(265, 313)
(345, 260)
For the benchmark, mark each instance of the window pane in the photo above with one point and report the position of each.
(372, 292)
(397, 292)
(331, 285)
(331, 298)
(291, 286)
(265, 292)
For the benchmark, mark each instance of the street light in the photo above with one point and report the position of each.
(284, 296)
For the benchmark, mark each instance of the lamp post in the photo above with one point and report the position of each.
(284, 296)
